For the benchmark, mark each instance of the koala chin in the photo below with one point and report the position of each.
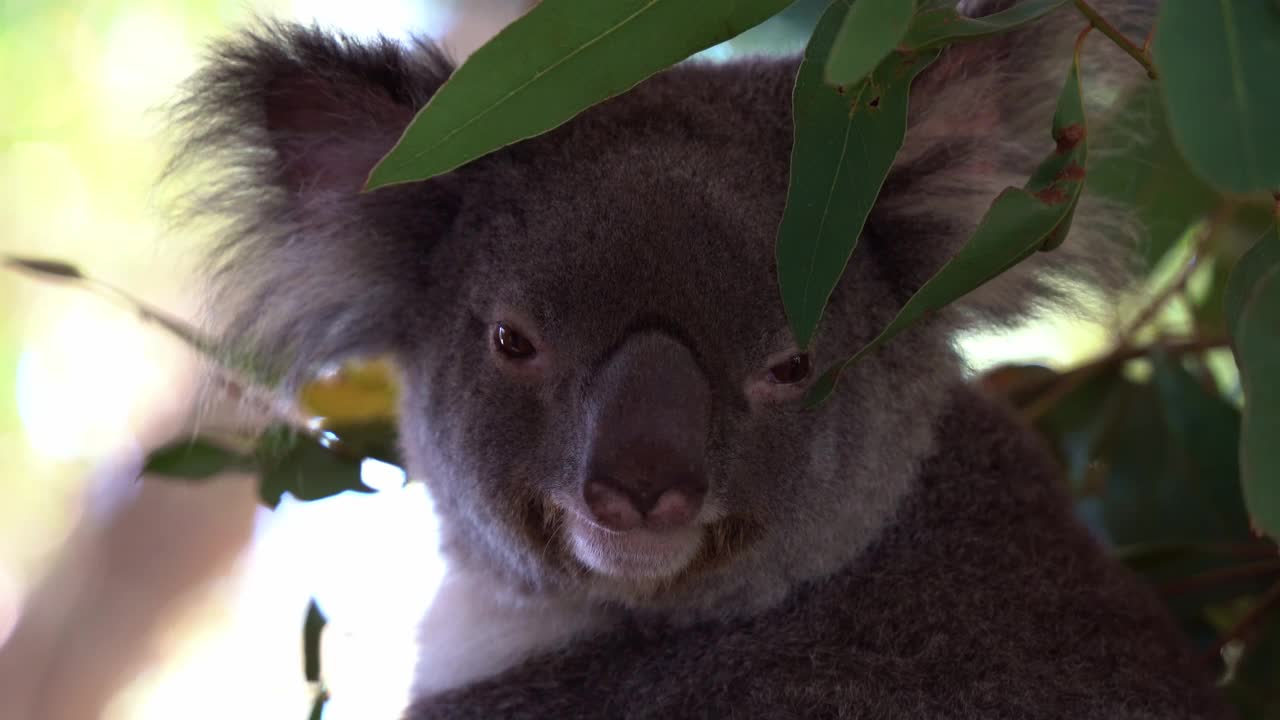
(638, 555)
(641, 518)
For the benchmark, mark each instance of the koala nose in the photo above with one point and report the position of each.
(646, 457)
(666, 503)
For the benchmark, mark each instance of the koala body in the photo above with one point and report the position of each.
(600, 388)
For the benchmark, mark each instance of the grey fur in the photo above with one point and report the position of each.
(899, 552)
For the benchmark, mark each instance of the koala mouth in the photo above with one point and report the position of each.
(640, 554)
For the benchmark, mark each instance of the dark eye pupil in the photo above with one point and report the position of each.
(511, 343)
(793, 370)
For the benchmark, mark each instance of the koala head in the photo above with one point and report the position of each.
(599, 383)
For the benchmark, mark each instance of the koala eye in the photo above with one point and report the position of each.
(512, 344)
(790, 371)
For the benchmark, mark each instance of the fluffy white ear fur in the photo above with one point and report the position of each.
(477, 626)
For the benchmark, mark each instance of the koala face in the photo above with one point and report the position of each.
(600, 387)
(606, 373)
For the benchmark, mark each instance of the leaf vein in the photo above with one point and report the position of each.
(536, 76)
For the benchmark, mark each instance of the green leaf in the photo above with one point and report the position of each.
(1218, 61)
(1261, 258)
(870, 31)
(44, 268)
(1203, 432)
(194, 459)
(1166, 452)
(1019, 222)
(311, 468)
(1257, 351)
(845, 144)
(557, 60)
(934, 28)
(312, 627)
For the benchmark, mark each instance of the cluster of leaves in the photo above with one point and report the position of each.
(1167, 467)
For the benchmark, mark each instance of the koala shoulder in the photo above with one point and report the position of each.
(986, 598)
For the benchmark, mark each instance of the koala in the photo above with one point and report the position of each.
(641, 518)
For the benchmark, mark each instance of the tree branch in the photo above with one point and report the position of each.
(1141, 54)
(1063, 384)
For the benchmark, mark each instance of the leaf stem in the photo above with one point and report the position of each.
(1216, 577)
(1141, 54)
(243, 383)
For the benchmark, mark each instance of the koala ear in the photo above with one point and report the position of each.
(278, 133)
(980, 122)
(322, 108)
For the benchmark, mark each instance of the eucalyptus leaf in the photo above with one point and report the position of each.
(1019, 222)
(45, 268)
(312, 627)
(941, 26)
(845, 144)
(306, 467)
(557, 60)
(1203, 431)
(194, 459)
(1153, 466)
(1261, 258)
(1257, 351)
(1218, 61)
(870, 31)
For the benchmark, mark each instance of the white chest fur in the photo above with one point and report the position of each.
(476, 628)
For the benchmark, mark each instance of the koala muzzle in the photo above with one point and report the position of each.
(646, 462)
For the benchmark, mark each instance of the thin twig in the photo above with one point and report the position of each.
(1266, 604)
(1080, 39)
(1142, 55)
(1217, 577)
(240, 381)
(1069, 381)
(1205, 240)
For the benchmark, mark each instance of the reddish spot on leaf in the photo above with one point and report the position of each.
(1051, 195)
(1052, 240)
(840, 89)
(1072, 172)
(875, 103)
(1069, 137)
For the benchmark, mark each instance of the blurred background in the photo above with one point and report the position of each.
(129, 601)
